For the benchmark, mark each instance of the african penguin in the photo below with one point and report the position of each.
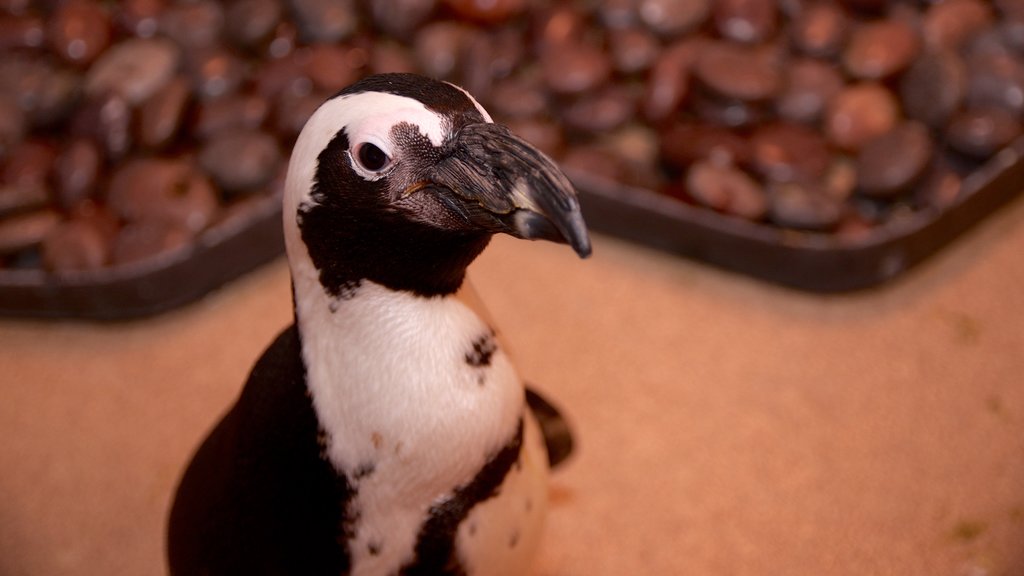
(385, 432)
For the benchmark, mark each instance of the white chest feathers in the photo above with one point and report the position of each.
(414, 397)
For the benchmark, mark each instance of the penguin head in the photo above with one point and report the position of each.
(402, 180)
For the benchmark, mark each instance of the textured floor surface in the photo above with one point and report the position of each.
(726, 427)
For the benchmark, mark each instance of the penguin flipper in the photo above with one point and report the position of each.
(558, 436)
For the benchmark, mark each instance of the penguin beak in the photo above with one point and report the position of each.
(499, 182)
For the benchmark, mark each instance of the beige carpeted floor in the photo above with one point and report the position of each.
(726, 427)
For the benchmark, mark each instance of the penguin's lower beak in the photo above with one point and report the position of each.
(499, 182)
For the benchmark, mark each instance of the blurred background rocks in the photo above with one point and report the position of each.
(127, 129)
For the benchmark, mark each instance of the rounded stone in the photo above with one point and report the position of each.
(890, 163)
(240, 160)
(76, 172)
(726, 188)
(161, 116)
(160, 190)
(633, 50)
(601, 112)
(738, 72)
(860, 112)
(746, 21)
(672, 18)
(949, 24)
(804, 206)
(981, 132)
(668, 83)
(688, 142)
(820, 29)
(251, 23)
(934, 87)
(195, 24)
(26, 230)
(809, 88)
(141, 241)
(881, 49)
(75, 245)
(784, 152)
(79, 30)
(576, 68)
(134, 69)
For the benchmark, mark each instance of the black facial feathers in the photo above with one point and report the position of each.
(353, 233)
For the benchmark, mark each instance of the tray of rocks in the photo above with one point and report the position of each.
(825, 145)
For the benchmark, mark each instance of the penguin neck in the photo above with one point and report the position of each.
(391, 368)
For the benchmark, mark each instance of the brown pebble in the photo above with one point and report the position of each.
(633, 50)
(747, 21)
(134, 69)
(669, 80)
(439, 47)
(107, 120)
(820, 29)
(74, 245)
(331, 68)
(234, 111)
(726, 189)
(809, 88)
(215, 72)
(22, 198)
(193, 25)
(738, 72)
(948, 25)
(996, 81)
(26, 230)
(783, 152)
(881, 49)
(141, 241)
(858, 113)
(672, 18)
(24, 31)
(159, 190)
(601, 112)
(240, 160)
(324, 20)
(938, 190)
(292, 110)
(76, 172)
(687, 142)
(79, 31)
(519, 96)
(140, 18)
(29, 164)
(161, 116)
(576, 68)
(890, 163)
(803, 205)
(981, 132)
(486, 11)
(13, 125)
(251, 23)
(934, 87)
(391, 56)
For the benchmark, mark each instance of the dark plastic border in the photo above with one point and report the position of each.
(221, 253)
(806, 261)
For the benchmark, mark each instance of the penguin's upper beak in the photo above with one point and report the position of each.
(499, 182)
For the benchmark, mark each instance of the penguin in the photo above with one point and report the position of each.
(385, 431)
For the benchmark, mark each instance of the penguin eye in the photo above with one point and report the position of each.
(371, 157)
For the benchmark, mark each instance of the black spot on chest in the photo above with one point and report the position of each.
(435, 544)
(482, 350)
